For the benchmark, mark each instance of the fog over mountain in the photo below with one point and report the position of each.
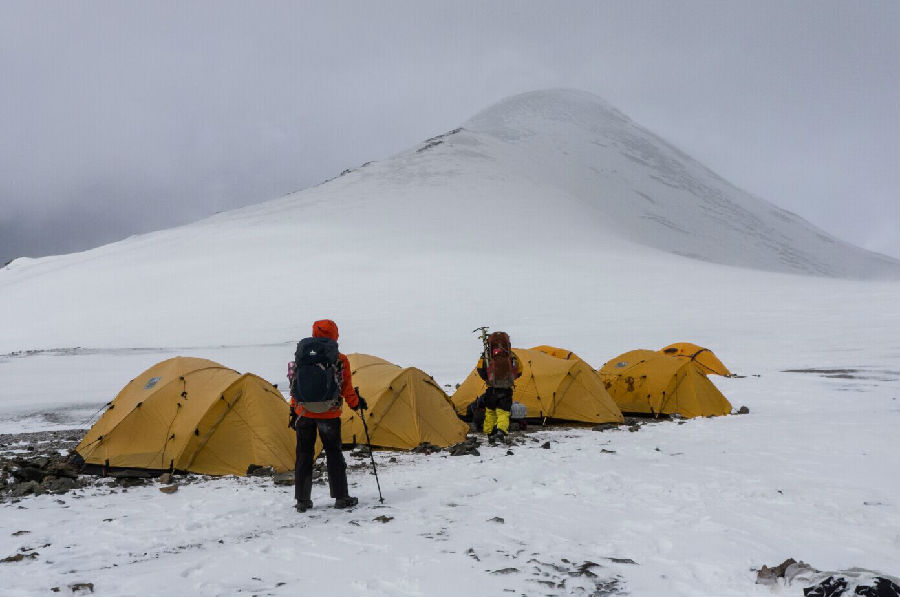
(551, 188)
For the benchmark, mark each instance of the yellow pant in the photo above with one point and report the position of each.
(498, 417)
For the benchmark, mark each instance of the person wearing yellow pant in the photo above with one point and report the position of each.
(497, 399)
(497, 404)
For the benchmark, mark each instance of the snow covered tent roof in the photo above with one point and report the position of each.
(703, 358)
(651, 382)
(550, 387)
(406, 407)
(191, 414)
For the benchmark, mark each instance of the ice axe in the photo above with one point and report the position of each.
(362, 417)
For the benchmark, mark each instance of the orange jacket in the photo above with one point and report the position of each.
(325, 328)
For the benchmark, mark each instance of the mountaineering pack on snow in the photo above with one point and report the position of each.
(498, 361)
(317, 375)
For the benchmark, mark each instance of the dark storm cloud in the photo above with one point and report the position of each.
(117, 118)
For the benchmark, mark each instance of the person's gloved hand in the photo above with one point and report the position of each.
(292, 421)
(362, 405)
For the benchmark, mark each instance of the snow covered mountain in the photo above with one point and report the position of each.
(548, 195)
(638, 186)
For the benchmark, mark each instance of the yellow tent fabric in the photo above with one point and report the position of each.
(550, 387)
(406, 407)
(648, 381)
(703, 358)
(191, 414)
(560, 353)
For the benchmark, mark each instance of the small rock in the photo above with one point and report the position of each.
(29, 473)
(19, 557)
(585, 569)
(634, 428)
(255, 470)
(165, 478)
(425, 448)
(60, 485)
(509, 453)
(545, 445)
(361, 452)
(19, 533)
(61, 468)
(286, 478)
(743, 411)
(505, 571)
(766, 576)
(497, 519)
(605, 451)
(470, 446)
(82, 587)
(383, 518)
(622, 560)
(769, 576)
(169, 488)
(26, 488)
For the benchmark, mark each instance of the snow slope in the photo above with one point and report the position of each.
(544, 183)
(549, 215)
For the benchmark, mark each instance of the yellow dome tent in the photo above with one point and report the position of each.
(191, 414)
(550, 387)
(406, 407)
(560, 353)
(703, 358)
(648, 381)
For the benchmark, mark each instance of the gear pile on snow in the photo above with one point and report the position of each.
(853, 581)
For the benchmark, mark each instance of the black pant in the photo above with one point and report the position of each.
(498, 398)
(330, 432)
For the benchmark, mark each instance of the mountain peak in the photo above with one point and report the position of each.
(555, 107)
(633, 184)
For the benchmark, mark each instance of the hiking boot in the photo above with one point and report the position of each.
(497, 435)
(345, 502)
(304, 505)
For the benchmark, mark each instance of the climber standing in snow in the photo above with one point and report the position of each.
(320, 382)
(499, 368)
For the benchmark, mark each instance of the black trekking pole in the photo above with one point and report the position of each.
(362, 418)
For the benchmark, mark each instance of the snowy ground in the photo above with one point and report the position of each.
(810, 473)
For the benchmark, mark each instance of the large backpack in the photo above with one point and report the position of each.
(316, 384)
(498, 361)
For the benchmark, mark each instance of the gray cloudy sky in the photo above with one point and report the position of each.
(124, 117)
